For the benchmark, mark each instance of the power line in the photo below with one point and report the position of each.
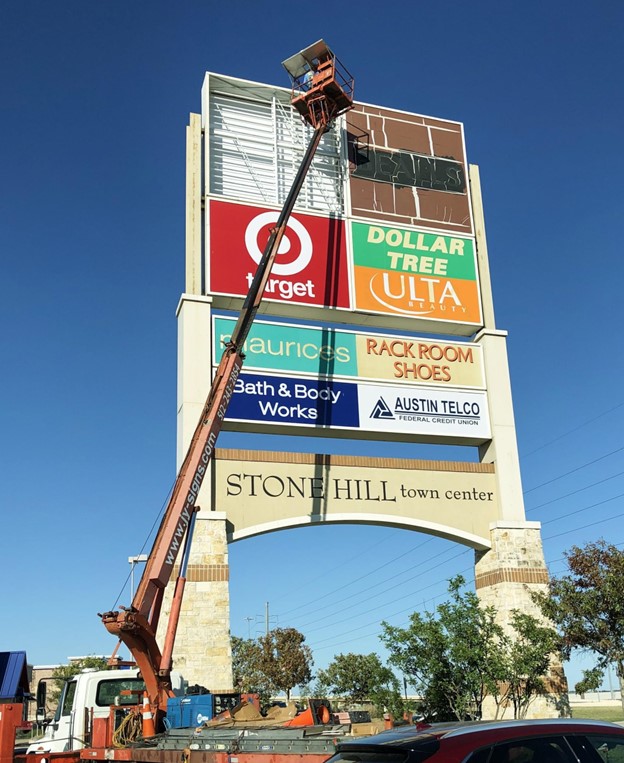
(360, 578)
(332, 640)
(400, 598)
(571, 431)
(157, 519)
(574, 492)
(471, 569)
(363, 553)
(313, 613)
(376, 633)
(385, 580)
(306, 605)
(563, 558)
(584, 527)
(395, 614)
(585, 508)
(375, 545)
(576, 469)
(556, 519)
(377, 585)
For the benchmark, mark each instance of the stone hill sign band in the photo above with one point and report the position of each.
(260, 488)
(247, 485)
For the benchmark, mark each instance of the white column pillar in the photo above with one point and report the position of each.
(502, 450)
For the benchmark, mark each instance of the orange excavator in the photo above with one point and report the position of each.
(322, 89)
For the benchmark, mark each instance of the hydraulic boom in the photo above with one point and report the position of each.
(322, 90)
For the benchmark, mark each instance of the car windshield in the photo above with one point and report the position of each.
(66, 701)
(536, 750)
(119, 691)
(610, 748)
(380, 756)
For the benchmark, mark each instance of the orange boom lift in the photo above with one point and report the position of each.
(322, 89)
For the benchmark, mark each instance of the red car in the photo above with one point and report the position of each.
(533, 741)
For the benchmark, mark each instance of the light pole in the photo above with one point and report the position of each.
(133, 561)
(249, 620)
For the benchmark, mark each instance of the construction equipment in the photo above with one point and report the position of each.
(14, 696)
(322, 90)
(113, 715)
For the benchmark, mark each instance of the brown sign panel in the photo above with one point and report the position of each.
(408, 169)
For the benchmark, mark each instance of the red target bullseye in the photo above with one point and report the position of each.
(293, 228)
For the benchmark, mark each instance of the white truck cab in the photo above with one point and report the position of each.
(89, 694)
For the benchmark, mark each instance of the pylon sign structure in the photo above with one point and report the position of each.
(380, 230)
(377, 323)
(382, 235)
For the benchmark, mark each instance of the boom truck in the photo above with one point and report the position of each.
(322, 90)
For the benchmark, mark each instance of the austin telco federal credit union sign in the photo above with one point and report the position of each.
(424, 413)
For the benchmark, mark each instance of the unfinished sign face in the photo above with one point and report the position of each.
(311, 265)
(256, 143)
(307, 350)
(263, 491)
(408, 169)
(382, 231)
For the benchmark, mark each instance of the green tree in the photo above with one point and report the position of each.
(64, 673)
(358, 677)
(248, 677)
(458, 656)
(525, 662)
(587, 605)
(284, 659)
(453, 659)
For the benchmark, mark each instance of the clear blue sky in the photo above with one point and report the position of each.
(94, 98)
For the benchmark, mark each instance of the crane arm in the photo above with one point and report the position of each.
(329, 94)
(136, 627)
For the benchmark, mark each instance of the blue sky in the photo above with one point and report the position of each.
(95, 99)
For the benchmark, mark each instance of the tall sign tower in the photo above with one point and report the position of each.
(377, 324)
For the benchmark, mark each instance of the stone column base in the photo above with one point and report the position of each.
(505, 577)
(202, 651)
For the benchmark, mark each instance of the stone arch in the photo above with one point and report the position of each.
(314, 490)
(431, 528)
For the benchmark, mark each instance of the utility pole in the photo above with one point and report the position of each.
(133, 561)
(249, 619)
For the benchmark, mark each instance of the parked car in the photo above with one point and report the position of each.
(531, 741)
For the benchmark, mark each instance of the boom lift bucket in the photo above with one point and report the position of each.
(322, 88)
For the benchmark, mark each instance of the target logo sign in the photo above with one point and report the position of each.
(311, 263)
(281, 267)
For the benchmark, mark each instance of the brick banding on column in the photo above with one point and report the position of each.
(205, 573)
(512, 575)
